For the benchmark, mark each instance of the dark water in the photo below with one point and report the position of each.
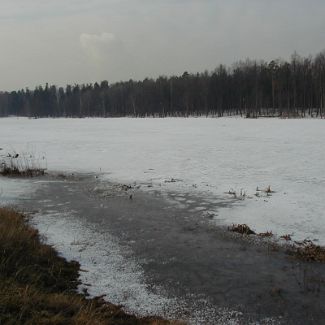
(184, 253)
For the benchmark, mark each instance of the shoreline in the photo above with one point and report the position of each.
(178, 255)
(37, 285)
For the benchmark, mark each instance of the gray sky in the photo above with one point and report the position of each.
(80, 41)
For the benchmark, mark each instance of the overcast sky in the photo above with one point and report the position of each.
(80, 41)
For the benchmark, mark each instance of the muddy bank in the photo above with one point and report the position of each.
(183, 256)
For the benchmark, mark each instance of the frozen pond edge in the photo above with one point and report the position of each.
(78, 245)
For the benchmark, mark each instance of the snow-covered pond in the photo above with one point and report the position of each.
(201, 155)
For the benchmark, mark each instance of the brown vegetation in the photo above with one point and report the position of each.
(7, 171)
(25, 165)
(286, 237)
(39, 287)
(266, 234)
(309, 252)
(242, 229)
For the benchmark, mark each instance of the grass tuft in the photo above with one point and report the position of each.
(242, 229)
(23, 165)
(266, 234)
(286, 237)
(308, 251)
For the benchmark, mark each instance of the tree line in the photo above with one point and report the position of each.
(293, 88)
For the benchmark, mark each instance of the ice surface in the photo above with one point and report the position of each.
(199, 155)
(13, 189)
(109, 268)
(104, 267)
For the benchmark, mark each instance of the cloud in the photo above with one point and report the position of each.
(106, 56)
(80, 40)
(98, 46)
(32, 10)
(91, 39)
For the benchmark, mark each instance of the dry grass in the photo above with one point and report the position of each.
(266, 234)
(8, 171)
(306, 250)
(39, 287)
(309, 252)
(286, 237)
(24, 165)
(242, 229)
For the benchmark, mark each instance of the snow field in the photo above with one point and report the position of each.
(202, 155)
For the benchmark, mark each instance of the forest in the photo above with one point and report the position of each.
(279, 88)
